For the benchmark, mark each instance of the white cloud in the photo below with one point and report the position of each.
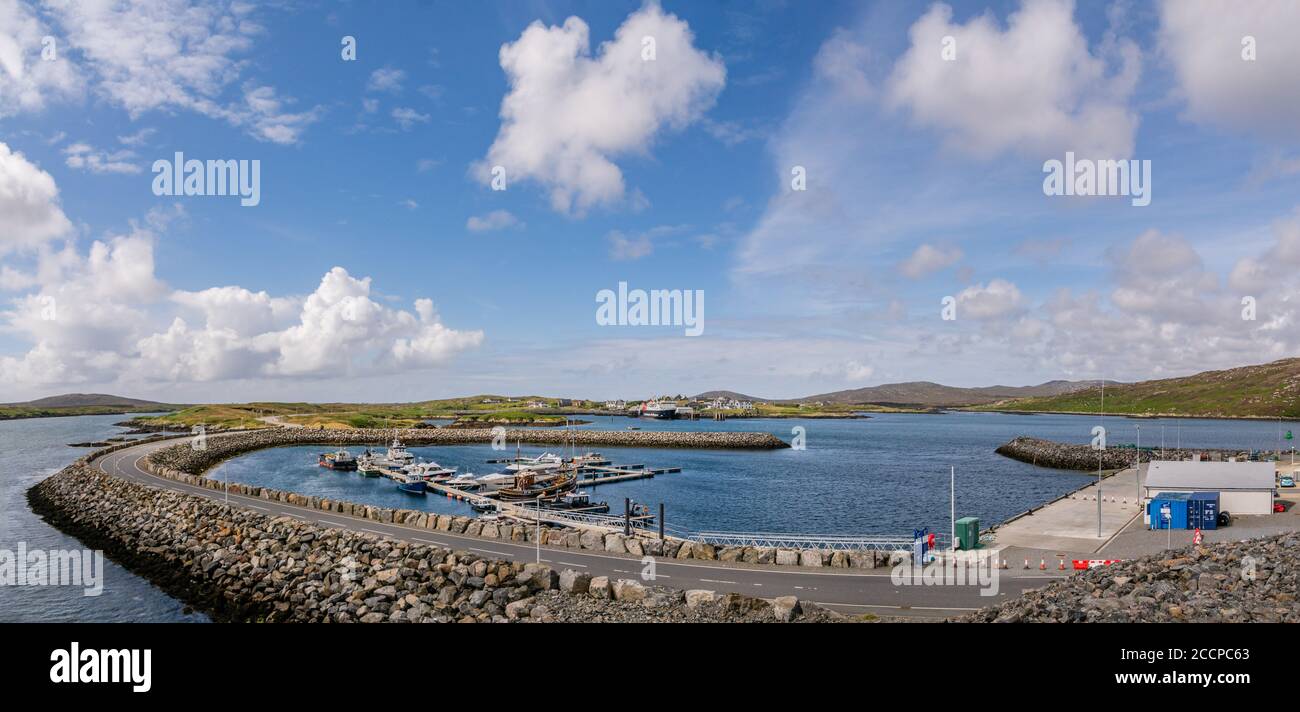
(623, 246)
(1034, 87)
(495, 220)
(386, 79)
(928, 259)
(27, 81)
(30, 215)
(998, 299)
(407, 117)
(85, 157)
(148, 56)
(1202, 40)
(569, 113)
(138, 138)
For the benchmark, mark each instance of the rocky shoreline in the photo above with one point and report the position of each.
(1071, 456)
(239, 565)
(1234, 582)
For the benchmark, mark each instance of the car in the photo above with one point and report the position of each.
(1287, 481)
(1225, 519)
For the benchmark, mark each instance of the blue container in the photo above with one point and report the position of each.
(1177, 502)
(1203, 510)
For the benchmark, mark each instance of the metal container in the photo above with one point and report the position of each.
(1203, 510)
(1176, 503)
(968, 533)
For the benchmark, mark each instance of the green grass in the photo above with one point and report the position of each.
(15, 412)
(1270, 390)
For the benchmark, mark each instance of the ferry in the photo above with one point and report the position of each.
(340, 460)
(412, 484)
(658, 409)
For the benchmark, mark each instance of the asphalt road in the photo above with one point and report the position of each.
(849, 591)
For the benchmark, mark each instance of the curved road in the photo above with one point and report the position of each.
(852, 591)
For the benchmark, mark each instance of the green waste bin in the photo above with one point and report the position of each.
(968, 533)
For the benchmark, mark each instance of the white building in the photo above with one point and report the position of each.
(1243, 487)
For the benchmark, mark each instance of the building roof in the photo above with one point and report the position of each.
(1184, 474)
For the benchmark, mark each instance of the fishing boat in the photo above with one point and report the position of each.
(530, 486)
(339, 460)
(367, 467)
(412, 484)
(397, 455)
(578, 500)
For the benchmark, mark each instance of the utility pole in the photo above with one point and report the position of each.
(1103, 430)
(952, 507)
(539, 528)
(1137, 472)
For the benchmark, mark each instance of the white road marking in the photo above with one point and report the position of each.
(374, 531)
(565, 563)
(488, 551)
(733, 583)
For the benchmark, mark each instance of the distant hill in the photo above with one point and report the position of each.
(1267, 390)
(80, 404)
(83, 400)
(710, 395)
(926, 393)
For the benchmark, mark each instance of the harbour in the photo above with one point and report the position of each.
(877, 476)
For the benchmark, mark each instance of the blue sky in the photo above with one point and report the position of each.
(924, 181)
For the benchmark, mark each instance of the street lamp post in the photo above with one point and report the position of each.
(1137, 472)
(538, 537)
(952, 508)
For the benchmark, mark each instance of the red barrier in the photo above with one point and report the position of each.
(1082, 564)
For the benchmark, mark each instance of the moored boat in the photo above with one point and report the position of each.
(530, 486)
(431, 472)
(658, 409)
(338, 460)
(545, 461)
(412, 484)
(367, 464)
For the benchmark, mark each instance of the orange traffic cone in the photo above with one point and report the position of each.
(1026, 563)
(1062, 568)
(1042, 564)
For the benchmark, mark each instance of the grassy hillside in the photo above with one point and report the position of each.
(21, 411)
(361, 415)
(1268, 390)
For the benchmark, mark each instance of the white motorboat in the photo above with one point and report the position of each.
(431, 471)
(545, 461)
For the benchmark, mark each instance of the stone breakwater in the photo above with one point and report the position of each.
(1249, 581)
(185, 464)
(240, 565)
(1071, 456)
